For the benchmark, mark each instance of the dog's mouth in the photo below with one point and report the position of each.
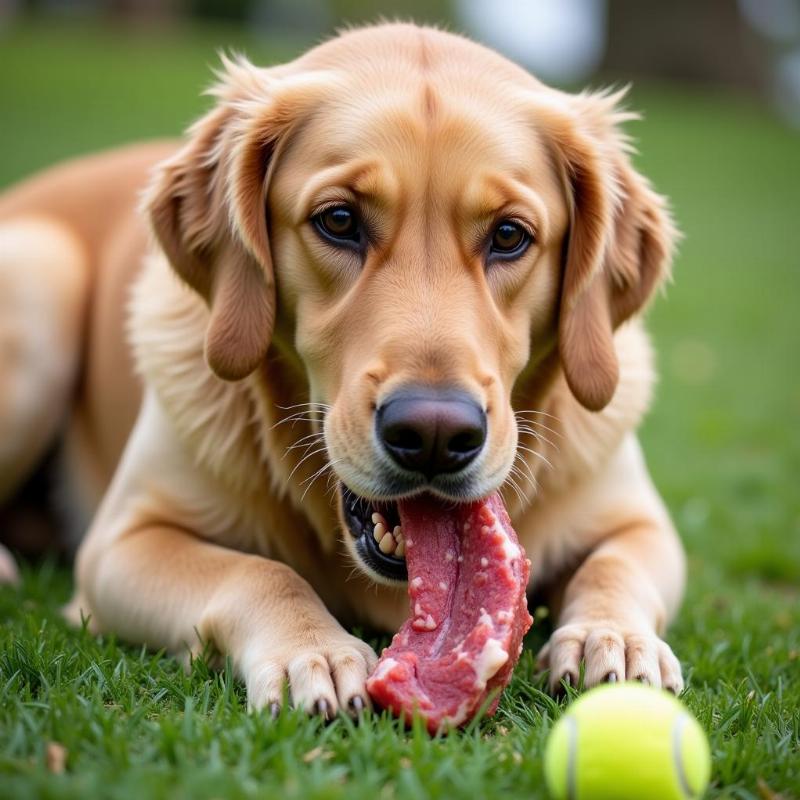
(376, 527)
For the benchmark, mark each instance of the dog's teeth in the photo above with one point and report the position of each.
(379, 532)
(400, 550)
(398, 533)
(387, 544)
(377, 517)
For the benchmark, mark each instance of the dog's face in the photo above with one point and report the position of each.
(417, 256)
(428, 223)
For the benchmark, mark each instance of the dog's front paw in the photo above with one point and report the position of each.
(323, 677)
(610, 654)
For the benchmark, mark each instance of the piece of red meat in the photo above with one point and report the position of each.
(467, 580)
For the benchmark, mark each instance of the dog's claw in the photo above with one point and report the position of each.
(321, 707)
(611, 677)
(567, 680)
(356, 705)
(274, 710)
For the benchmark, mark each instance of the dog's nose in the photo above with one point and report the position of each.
(431, 430)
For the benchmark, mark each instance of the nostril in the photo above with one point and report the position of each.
(466, 441)
(403, 438)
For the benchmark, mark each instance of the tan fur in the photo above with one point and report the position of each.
(216, 524)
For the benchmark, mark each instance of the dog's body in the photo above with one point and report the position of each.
(216, 517)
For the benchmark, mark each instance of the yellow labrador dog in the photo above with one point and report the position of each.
(396, 265)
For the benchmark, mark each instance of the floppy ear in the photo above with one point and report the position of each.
(619, 245)
(207, 208)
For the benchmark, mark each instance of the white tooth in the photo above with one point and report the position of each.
(416, 583)
(443, 586)
(400, 550)
(417, 610)
(378, 517)
(379, 532)
(484, 562)
(386, 544)
(398, 533)
(430, 623)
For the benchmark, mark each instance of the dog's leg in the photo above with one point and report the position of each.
(167, 588)
(43, 287)
(143, 573)
(615, 608)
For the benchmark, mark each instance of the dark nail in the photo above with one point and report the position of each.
(643, 679)
(611, 677)
(560, 689)
(321, 707)
(356, 704)
(274, 710)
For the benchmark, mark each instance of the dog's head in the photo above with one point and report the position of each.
(425, 225)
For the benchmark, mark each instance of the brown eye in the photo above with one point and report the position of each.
(509, 240)
(339, 224)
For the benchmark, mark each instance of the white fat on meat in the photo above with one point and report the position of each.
(488, 662)
(383, 668)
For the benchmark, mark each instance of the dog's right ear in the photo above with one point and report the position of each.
(207, 208)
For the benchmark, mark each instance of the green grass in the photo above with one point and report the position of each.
(723, 442)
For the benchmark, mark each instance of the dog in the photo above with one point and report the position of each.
(398, 264)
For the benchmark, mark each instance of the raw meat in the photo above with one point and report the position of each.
(467, 580)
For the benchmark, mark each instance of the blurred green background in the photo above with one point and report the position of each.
(723, 437)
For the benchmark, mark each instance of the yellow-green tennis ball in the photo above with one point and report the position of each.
(627, 742)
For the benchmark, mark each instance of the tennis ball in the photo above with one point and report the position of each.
(627, 742)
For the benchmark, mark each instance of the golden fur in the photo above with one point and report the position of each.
(261, 352)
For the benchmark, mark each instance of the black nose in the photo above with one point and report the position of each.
(431, 430)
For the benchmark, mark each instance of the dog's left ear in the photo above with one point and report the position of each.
(619, 246)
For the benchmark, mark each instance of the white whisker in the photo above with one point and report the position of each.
(523, 430)
(316, 439)
(520, 496)
(524, 462)
(305, 458)
(321, 471)
(296, 419)
(530, 477)
(535, 453)
(305, 405)
(537, 413)
(523, 422)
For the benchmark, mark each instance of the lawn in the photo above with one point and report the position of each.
(723, 442)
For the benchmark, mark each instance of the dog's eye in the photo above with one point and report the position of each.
(509, 240)
(338, 224)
